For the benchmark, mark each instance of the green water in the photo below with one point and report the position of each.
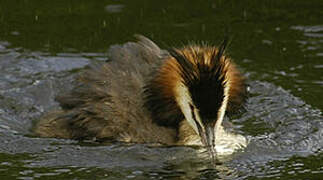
(264, 33)
(278, 43)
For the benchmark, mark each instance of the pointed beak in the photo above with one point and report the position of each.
(208, 139)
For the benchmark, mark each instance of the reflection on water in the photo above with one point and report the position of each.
(278, 44)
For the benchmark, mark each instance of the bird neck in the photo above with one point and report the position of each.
(226, 143)
(187, 135)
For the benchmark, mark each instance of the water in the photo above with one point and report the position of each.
(277, 44)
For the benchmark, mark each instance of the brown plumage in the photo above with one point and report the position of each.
(148, 95)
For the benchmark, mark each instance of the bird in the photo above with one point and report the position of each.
(145, 94)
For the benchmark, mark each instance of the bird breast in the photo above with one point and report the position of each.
(226, 142)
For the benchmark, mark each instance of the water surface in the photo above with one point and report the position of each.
(277, 44)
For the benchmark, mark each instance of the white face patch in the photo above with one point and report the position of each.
(184, 100)
(223, 107)
(198, 118)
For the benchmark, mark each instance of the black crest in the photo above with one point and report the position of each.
(205, 79)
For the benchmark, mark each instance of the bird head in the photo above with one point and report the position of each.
(198, 84)
(202, 89)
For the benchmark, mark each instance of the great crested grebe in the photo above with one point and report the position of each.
(148, 95)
